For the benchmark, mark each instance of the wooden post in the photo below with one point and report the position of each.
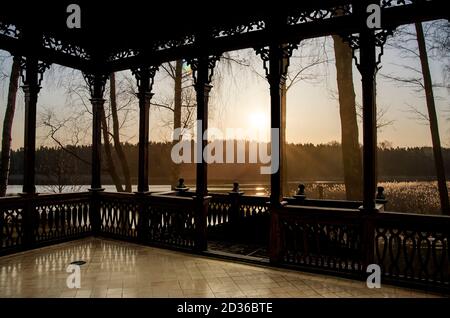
(202, 88)
(97, 106)
(29, 220)
(201, 214)
(31, 89)
(32, 72)
(143, 217)
(276, 62)
(234, 214)
(144, 77)
(203, 68)
(368, 68)
(96, 82)
(277, 56)
(144, 106)
(276, 78)
(275, 235)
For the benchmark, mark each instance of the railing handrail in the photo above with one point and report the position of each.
(419, 222)
(316, 212)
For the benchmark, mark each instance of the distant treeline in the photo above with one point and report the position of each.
(305, 162)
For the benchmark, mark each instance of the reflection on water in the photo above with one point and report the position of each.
(256, 189)
(12, 189)
(249, 189)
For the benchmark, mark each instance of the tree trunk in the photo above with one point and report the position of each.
(7, 125)
(177, 114)
(351, 154)
(283, 148)
(437, 151)
(116, 136)
(109, 160)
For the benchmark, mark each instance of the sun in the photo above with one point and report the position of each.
(259, 126)
(258, 120)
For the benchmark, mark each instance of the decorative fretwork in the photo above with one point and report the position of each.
(149, 71)
(321, 245)
(123, 54)
(11, 226)
(380, 35)
(174, 43)
(61, 219)
(380, 38)
(194, 64)
(64, 47)
(159, 45)
(9, 30)
(219, 210)
(171, 225)
(303, 16)
(395, 3)
(251, 206)
(239, 29)
(413, 253)
(320, 239)
(119, 218)
(42, 67)
(286, 51)
(93, 79)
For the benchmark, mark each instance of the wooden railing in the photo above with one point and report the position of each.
(221, 209)
(12, 213)
(169, 220)
(60, 217)
(411, 249)
(328, 239)
(31, 221)
(119, 215)
(236, 217)
(173, 221)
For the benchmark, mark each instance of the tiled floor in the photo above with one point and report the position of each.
(119, 269)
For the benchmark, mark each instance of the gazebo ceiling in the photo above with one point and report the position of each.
(117, 35)
(110, 25)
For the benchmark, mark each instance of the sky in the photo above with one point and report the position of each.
(240, 99)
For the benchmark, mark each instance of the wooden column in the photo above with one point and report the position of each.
(276, 62)
(276, 78)
(31, 89)
(97, 84)
(144, 77)
(203, 68)
(368, 66)
(202, 88)
(368, 69)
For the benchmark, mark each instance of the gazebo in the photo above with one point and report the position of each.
(341, 238)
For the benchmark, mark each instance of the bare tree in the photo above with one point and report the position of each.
(63, 176)
(349, 128)
(421, 81)
(182, 99)
(116, 135)
(108, 154)
(120, 102)
(7, 125)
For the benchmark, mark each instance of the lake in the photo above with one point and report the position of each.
(249, 189)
